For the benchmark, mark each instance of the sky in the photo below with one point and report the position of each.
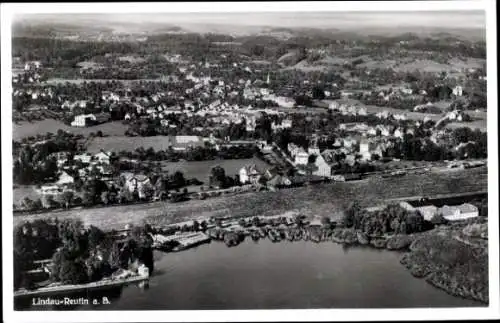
(349, 20)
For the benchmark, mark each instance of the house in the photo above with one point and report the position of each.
(459, 212)
(399, 116)
(83, 120)
(284, 102)
(350, 159)
(407, 206)
(334, 106)
(383, 114)
(65, 179)
(349, 142)
(398, 133)
(49, 190)
(457, 90)
(301, 158)
(110, 96)
(364, 149)
(84, 158)
(181, 143)
(323, 169)
(427, 211)
(249, 174)
(136, 182)
(362, 111)
(279, 181)
(61, 157)
(347, 177)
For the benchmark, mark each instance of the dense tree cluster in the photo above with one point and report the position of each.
(78, 254)
(393, 219)
(33, 162)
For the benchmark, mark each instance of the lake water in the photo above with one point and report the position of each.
(266, 275)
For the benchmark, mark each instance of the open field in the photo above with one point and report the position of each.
(23, 191)
(325, 199)
(476, 124)
(201, 169)
(25, 129)
(410, 114)
(121, 142)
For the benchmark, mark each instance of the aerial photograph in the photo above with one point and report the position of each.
(249, 160)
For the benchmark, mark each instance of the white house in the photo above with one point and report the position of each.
(398, 133)
(323, 169)
(333, 105)
(249, 174)
(83, 120)
(362, 111)
(65, 179)
(284, 102)
(427, 211)
(301, 158)
(110, 96)
(84, 158)
(458, 90)
(364, 149)
(49, 190)
(459, 212)
(383, 114)
(136, 182)
(103, 157)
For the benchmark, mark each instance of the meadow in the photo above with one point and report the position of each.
(120, 142)
(26, 129)
(201, 169)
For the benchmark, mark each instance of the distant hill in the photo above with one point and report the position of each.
(39, 26)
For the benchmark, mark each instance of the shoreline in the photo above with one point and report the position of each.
(434, 275)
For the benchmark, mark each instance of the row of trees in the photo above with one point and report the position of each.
(190, 154)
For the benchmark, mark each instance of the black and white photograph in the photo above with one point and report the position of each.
(236, 158)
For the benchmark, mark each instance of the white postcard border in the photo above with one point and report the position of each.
(254, 315)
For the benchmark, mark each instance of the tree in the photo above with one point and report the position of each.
(67, 197)
(218, 177)
(95, 236)
(438, 219)
(351, 213)
(318, 93)
(27, 203)
(178, 179)
(204, 225)
(73, 272)
(325, 221)
(196, 225)
(148, 191)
